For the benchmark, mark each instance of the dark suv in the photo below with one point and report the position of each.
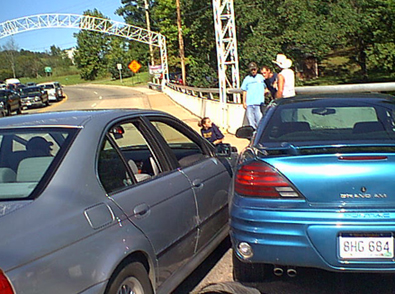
(10, 101)
(34, 96)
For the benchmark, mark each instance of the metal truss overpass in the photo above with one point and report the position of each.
(225, 35)
(90, 23)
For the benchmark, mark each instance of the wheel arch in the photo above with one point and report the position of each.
(137, 256)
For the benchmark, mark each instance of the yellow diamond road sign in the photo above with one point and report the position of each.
(134, 66)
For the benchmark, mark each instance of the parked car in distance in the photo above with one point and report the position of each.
(315, 188)
(10, 102)
(54, 89)
(34, 96)
(110, 201)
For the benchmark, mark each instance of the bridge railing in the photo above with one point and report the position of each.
(205, 101)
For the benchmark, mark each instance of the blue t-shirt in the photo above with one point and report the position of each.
(255, 87)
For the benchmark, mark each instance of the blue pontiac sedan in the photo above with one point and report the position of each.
(315, 188)
(107, 201)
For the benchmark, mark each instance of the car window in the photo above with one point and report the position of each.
(186, 149)
(335, 123)
(31, 90)
(26, 157)
(112, 171)
(134, 150)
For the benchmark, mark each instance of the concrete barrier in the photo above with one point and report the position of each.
(212, 108)
(204, 101)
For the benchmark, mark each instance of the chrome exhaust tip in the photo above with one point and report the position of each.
(291, 272)
(278, 271)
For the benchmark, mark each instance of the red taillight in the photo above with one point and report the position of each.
(5, 285)
(258, 179)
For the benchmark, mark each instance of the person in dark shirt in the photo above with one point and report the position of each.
(210, 131)
(270, 80)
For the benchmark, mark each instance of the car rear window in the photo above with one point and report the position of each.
(31, 90)
(26, 158)
(331, 121)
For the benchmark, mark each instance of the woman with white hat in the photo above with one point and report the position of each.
(286, 78)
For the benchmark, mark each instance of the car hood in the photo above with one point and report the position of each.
(341, 180)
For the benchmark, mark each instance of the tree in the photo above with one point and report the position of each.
(119, 54)
(92, 48)
(11, 51)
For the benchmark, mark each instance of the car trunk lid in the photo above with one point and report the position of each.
(344, 180)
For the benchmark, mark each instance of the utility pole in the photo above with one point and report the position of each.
(181, 42)
(147, 19)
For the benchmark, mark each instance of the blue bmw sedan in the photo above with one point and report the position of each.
(107, 201)
(315, 188)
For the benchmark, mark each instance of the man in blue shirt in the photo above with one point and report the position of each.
(253, 87)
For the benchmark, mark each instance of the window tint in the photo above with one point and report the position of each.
(112, 171)
(186, 150)
(136, 151)
(336, 123)
(25, 158)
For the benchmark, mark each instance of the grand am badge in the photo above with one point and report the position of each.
(362, 195)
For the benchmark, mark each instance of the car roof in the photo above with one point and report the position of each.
(46, 83)
(72, 118)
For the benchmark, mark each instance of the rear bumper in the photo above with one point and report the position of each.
(307, 238)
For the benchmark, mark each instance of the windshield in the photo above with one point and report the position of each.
(30, 90)
(331, 122)
(26, 157)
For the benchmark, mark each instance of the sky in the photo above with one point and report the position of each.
(42, 39)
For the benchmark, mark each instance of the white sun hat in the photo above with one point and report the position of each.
(282, 61)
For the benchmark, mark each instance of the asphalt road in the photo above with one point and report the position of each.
(218, 266)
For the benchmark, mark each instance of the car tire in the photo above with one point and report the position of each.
(228, 288)
(247, 272)
(8, 111)
(133, 278)
(47, 102)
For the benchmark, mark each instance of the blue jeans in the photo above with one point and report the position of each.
(254, 115)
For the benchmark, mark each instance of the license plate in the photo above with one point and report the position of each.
(366, 246)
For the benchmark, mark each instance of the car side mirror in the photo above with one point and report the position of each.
(245, 132)
(224, 150)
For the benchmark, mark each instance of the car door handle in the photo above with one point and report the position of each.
(141, 210)
(197, 184)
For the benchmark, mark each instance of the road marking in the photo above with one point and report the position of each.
(100, 97)
(95, 92)
(93, 105)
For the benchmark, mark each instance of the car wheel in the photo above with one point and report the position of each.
(47, 102)
(8, 111)
(133, 278)
(246, 272)
(228, 288)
